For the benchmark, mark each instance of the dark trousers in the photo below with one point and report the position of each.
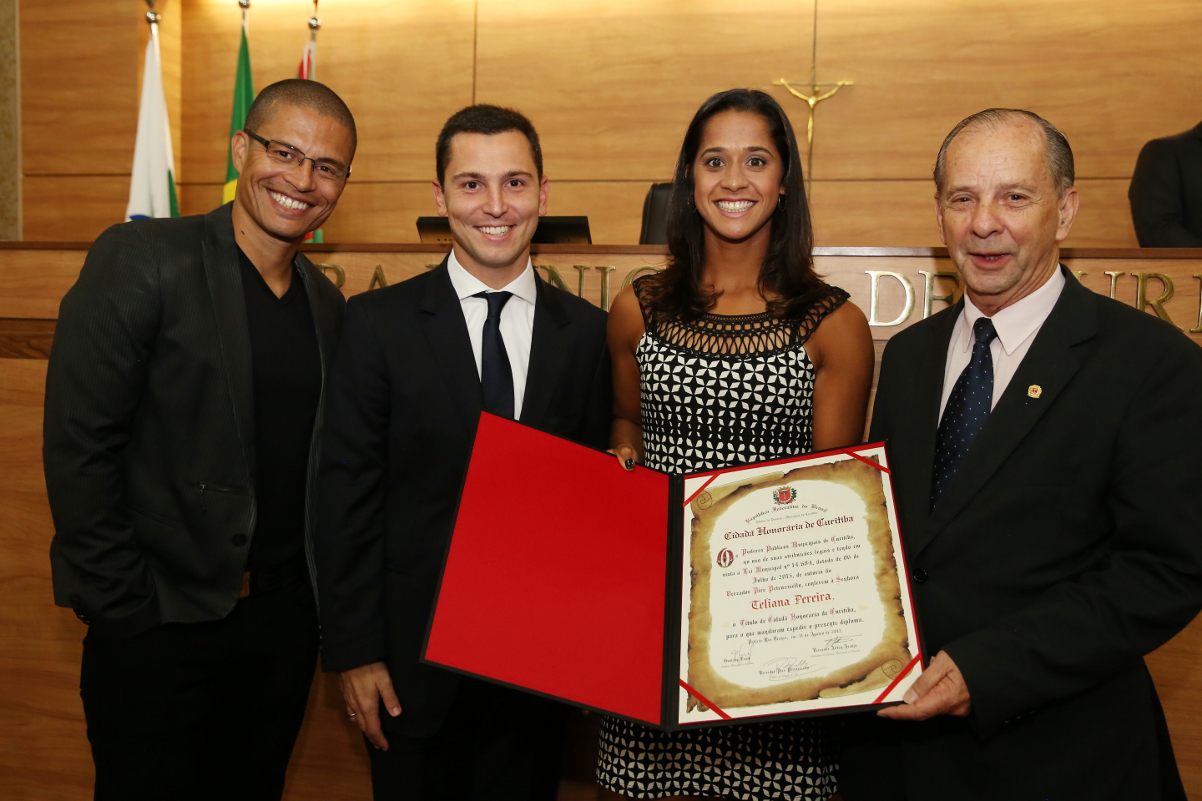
(202, 710)
(497, 744)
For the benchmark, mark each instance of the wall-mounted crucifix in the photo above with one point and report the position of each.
(816, 96)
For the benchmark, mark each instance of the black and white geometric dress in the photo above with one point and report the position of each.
(716, 392)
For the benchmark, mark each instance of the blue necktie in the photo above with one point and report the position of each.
(496, 375)
(966, 411)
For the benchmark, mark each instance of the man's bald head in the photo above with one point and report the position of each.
(1059, 154)
(305, 94)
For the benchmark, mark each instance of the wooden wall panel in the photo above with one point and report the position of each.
(402, 68)
(612, 84)
(1177, 669)
(73, 208)
(79, 90)
(47, 755)
(1110, 75)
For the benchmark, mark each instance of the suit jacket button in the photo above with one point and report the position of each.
(238, 539)
(919, 575)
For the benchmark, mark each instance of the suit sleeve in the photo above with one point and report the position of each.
(1157, 199)
(599, 416)
(1146, 585)
(103, 343)
(349, 540)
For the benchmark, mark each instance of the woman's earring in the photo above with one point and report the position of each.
(780, 201)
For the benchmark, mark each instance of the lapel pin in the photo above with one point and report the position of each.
(1034, 391)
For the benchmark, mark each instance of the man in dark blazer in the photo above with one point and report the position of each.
(1166, 192)
(182, 416)
(417, 364)
(1044, 445)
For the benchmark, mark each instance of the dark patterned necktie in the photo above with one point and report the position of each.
(966, 411)
(496, 375)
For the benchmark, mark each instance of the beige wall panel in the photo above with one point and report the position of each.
(79, 89)
(73, 208)
(614, 208)
(380, 212)
(48, 758)
(902, 214)
(402, 68)
(1110, 75)
(612, 84)
(198, 198)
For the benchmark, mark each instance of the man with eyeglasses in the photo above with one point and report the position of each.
(182, 410)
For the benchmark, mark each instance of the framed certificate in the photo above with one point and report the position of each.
(760, 591)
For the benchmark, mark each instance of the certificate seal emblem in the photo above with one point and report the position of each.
(726, 558)
(784, 495)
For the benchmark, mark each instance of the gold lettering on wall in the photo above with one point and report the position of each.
(339, 274)
(378, 281)
(605, 271)
(875, 296)
(1114, 277)
(1141, 295)
(930, 297)
(1080, 274)
(553, 276)
(580, 270)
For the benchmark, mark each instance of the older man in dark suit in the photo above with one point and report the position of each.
(417, 364)
(182, 409)
(1044, 443)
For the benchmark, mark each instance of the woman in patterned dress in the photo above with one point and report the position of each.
(736, 353)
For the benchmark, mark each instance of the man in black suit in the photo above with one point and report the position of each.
(1044, 443)
(182, 411)
(417, 363)
(1166, 192)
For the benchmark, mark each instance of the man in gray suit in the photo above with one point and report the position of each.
(182, 406)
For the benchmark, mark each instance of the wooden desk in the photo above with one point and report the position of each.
(43, 749)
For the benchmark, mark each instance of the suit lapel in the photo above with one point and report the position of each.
(224, 277)
(1050, 364)
(446, 334)
(323, 321)
(547, 354)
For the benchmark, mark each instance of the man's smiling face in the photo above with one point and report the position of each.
(1000, 212)
(287, 202)
(492, 196)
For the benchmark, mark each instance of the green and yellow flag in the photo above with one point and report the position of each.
(244, 95)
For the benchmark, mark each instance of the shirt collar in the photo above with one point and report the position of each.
(1017, 322)
(525, 286)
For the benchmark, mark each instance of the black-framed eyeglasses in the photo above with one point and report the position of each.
(289, 156)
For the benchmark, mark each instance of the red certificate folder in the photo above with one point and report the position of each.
(570, 577)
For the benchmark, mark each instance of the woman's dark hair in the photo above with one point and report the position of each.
(788, 269)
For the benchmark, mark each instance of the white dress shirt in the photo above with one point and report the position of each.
(1016, 327)
(517, 320)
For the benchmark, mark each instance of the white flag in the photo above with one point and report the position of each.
(152, 184)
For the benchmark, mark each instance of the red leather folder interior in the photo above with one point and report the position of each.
(556, 576)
